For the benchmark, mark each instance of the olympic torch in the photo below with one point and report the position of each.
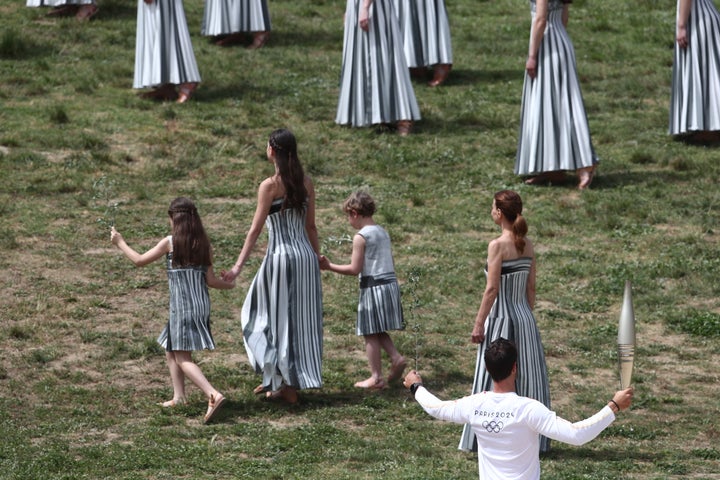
(626, 338)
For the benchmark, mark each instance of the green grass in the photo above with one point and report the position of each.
(81, 374)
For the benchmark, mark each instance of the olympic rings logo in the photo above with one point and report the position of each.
(492, 426)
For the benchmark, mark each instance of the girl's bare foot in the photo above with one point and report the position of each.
(174, 402)
(371, 383)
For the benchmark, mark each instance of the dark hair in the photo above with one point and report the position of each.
(191, 245)
(500, 356)
(510, 204)
(289, 168)
(360, 202)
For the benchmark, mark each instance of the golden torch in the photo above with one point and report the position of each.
(626, 338)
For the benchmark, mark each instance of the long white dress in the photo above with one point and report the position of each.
(375, 84)
(511, 318)
(695, 97)
(163, 49)
(425, 29)
(225, 17)
(554, 131)
(282, 317)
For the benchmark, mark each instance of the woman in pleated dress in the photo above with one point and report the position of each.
(554, 131)
(282, 314)
(506, 309)
(81, 9)
(164, 57)
(425, 29)
(695, 95)
(190, 272)
(375, 86)
(231, 20)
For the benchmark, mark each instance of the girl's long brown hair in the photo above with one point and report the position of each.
(510, 204)
(191, 245)
(290, 170)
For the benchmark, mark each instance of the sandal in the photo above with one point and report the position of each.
(86, 12)
(259, 389)
(216, 401)
(259, 40)
(186, 91)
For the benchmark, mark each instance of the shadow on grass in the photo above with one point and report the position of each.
(600, 455)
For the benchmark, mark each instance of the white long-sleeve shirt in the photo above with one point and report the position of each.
(508, 426)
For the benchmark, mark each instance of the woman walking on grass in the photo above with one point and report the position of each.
(375, 86)
(282, 314)
(554, 131)
(189, 268)
(231, 20)
(164, 57)
(507, 307)
(695, 95)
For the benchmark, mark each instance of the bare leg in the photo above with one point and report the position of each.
(373, 351)
(178, 381)
(184, 361)
(396, 360)
(193, 372)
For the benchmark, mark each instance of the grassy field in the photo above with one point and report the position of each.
(81, 374)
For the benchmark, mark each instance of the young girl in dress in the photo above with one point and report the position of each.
(190, 272)
(379, 308)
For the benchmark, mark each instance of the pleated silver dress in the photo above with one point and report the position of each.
(425, 29)
(375, 85)
(695, 97)
(224, 17)
(554, 131)
(57, 3)
(511, 318)
(379, 307)
(163, 49)
(282, 318)
(188, 326)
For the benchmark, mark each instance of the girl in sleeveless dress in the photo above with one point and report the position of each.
(190, 273)
(379, 308)
(506, 308)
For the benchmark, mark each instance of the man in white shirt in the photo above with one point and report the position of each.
(508, 426)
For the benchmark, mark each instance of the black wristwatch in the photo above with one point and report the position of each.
(414, 387)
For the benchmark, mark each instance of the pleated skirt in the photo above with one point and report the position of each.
(224, 17)
(375, 84)
(188, 326)
(425, 29)
(695, 94)
(163, 49)
(554, 130)
(380, 309)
